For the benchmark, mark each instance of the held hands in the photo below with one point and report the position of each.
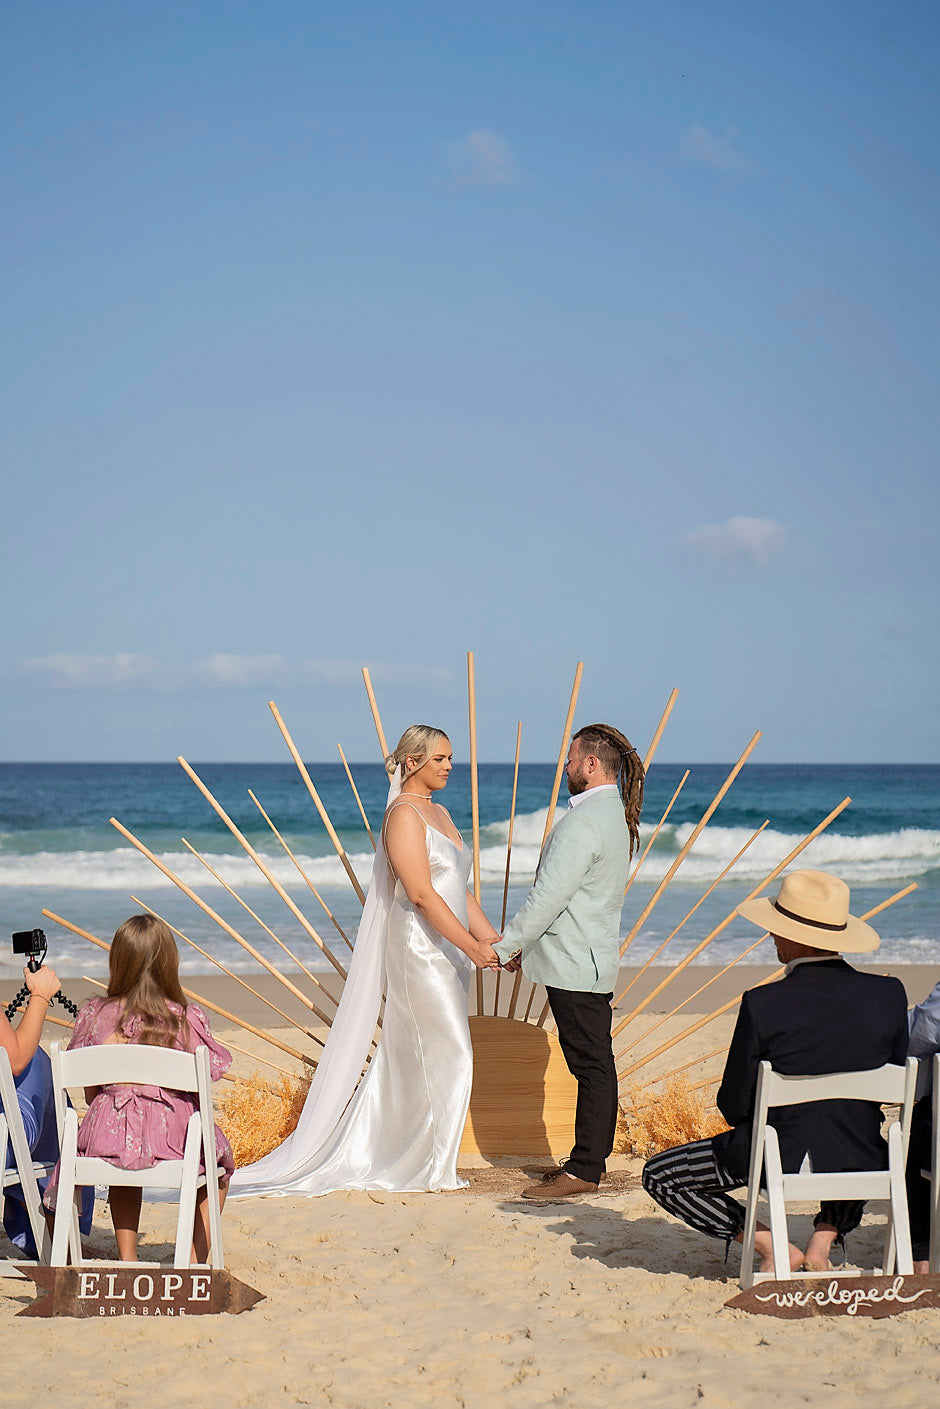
(44, 983)
(485, 956)
(511, 966)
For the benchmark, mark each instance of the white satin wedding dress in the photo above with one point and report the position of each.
(401, 1130)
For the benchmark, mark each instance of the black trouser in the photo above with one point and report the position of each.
(918, 1188)
(583, 1021)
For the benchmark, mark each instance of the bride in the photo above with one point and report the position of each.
(421, 933)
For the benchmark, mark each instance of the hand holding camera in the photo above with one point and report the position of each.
(40, 981)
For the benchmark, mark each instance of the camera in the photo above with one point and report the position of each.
(33, 944)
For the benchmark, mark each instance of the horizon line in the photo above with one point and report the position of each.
(461, 763)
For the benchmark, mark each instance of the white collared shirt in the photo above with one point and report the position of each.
(575, 798)
(808, 959)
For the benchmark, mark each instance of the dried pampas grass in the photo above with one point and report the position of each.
(651, 1121)
(257, 1116)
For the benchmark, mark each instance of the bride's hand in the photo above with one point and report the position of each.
(485, 956)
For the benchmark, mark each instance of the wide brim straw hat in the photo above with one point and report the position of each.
(812, 908)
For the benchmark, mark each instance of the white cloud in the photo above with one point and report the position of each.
(739, 541)
(220, 671)
(482, 158)
(709, 149)
(123, 671)
(238, 672)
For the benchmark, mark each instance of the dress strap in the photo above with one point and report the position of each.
(391, 809)
(407, 804)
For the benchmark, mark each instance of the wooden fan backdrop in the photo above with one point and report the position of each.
(523, 1098)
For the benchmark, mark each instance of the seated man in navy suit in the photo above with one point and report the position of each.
(822, 1016)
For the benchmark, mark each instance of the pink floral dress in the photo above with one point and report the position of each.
(134, 1126)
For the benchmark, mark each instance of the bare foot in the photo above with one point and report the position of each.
(818, 1249)
(921, 1269)
(767, 1264)
(764, 1249)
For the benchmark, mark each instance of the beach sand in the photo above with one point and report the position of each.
(470, 1299)
(473, 1298)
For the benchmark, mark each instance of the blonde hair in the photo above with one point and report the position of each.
(417, 742)
(143, 971)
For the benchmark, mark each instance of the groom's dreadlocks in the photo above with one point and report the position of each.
(621, 760)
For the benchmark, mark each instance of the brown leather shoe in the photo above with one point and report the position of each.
(562, 1186)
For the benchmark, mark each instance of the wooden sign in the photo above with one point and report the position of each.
(865, 1297)
(126, 1289)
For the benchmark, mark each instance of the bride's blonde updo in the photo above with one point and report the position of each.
(417, 742)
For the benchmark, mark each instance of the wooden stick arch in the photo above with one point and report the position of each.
(532, 1112)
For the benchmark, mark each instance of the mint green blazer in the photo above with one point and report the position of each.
(569, 926)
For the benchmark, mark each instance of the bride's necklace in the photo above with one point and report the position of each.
(425, 797)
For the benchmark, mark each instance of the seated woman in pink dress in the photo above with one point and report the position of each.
(135, 1126)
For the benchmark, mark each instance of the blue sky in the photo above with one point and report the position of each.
(360, 333)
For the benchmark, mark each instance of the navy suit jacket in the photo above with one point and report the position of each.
(822, 1017)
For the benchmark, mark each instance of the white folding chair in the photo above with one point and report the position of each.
(125, 1064)
(25, 1170)
(888, 1085)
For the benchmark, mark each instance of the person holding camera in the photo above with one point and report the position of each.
(32, 1074)
(21, 1042)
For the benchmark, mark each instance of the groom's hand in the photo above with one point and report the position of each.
(514, 964)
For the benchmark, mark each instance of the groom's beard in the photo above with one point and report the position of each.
(577, 783)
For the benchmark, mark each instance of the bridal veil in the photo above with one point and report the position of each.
(290, 1168)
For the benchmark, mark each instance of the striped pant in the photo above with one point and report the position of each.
(690, 1182)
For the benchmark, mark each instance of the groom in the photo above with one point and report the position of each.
(567, 937)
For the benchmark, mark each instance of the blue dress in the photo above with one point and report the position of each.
(34, 1097)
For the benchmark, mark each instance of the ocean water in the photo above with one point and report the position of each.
(58, 851)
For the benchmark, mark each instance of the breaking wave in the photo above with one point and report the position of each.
(889, 856)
